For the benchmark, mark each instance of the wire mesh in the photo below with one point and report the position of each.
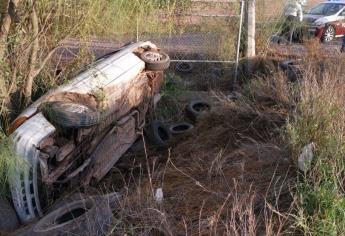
(197, 31)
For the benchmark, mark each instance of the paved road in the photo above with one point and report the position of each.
(299, 50)
(193, 46)
(188, 45)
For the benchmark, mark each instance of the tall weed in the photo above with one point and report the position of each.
(320, 118)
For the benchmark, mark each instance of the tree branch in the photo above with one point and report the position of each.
(44, 62)
(6, 25)
(27, 90)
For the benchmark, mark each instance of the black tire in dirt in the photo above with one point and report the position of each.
(70, 114)
(181, 128)
(157, 133)
(184, 67)
(155, 61)
(8, 217)
(293, 69)
(284, 65)
(91, 216)
(197, 109)
(328, 35)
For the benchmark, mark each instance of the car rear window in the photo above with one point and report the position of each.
(326, 9)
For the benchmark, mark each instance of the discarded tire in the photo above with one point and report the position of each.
(157, 133)
(83, 217)
(286, 64)
(8, 217)
(196, 109)
(293, 69)
(155, 61)
(180, 128)
(278, 39)
(65, 200)
(138, 146)
(71, 114)
(112, 199)
(184, 67)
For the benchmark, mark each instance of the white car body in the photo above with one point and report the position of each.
(118, 76)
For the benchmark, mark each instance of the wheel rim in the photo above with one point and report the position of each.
(153, 56)
(329, 34)
(75, 108)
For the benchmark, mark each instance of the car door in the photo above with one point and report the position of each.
(341, 25)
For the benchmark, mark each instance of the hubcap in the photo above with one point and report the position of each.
(153, 56)
(329, 34)
(75, 108)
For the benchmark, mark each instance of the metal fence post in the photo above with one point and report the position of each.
(238, 47)
(137, 29)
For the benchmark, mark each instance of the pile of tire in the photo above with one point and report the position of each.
(160, 134)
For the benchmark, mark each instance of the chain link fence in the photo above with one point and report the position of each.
(199, 31)
(189, 30)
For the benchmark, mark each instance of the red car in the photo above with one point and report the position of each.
(326, 20)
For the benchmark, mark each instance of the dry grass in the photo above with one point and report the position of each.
(230, 177)
(235, 175)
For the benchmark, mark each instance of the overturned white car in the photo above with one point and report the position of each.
(76, 133)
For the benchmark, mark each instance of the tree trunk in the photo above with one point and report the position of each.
(6, 25)
(27, 90)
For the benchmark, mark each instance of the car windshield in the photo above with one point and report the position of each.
(326, 9)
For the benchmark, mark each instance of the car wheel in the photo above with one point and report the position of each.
(8, 217)
(91, 216)
(184, 67)
(196, 109)
(293, 69)
(70, 114)
(328, 35)
(155, 61)
(157, 133)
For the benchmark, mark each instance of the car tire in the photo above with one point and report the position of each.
(184, 67)
(91, 216)
(155, 61)
(157, 133)
(196, 109)
(70, 114)
(180, 128)
(284, 65)
(328, 35)
(8, 217)
(293, 69)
